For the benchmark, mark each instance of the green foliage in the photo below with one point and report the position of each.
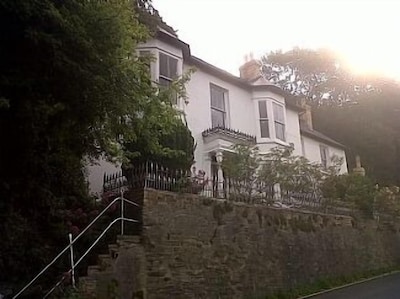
(326, 283)
(294, 173)
(242, 166)
(252, 172)
(387, 202)
(360, 112)
(319, 75)
(369, 129)
(353, 189)
(176, 148)
(71, 88)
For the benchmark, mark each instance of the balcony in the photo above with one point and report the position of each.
(221, 138)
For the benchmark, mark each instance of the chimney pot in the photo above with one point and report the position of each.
(251, 69)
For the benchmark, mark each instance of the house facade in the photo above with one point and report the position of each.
(223, 110)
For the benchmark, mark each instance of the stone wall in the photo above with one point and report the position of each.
(206, 248)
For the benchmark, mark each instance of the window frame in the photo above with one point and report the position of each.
(224, 111)
(169, 58)
(324, 148)
(279, 122)
(168, 79)
(263, 119)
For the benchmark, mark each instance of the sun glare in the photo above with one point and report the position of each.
(364, 33)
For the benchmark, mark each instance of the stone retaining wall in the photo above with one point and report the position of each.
(206, 248)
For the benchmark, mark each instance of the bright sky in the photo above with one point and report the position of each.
(222, 32)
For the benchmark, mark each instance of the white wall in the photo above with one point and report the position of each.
(293, 131)
(240, 114)
(312, 152)
(95, 174)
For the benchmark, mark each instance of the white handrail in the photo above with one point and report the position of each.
(87, 251)
(76, 239)
(101, 235)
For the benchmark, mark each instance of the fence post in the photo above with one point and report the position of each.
(277, 191)
(122, 212)
(71, 250)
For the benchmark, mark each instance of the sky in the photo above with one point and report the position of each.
(366, 34)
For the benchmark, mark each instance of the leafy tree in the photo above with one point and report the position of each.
(295, 173)
(318, 75)
(71, 87)
(387, 202)
(253, 174)
(241, 168)
(369, 129)
(176, 149)
(356, 190)
(360, 112)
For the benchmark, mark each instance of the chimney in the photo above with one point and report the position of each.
(251, 69)
(306, 116)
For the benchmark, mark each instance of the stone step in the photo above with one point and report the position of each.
(93, 270)
(113, 250)
(128, 239)
(105, 262)
(87, 287)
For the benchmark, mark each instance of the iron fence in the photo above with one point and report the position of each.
(156, 176)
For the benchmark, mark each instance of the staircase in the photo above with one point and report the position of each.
(117, 274)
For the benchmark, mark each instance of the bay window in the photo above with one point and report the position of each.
(168, 71)
(279, 121)
(263, 119)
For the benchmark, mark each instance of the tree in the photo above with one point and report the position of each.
(176, 149)
(368, 129)
(360, 112)
(253, 174)
(320, 76)
(241, 168)
(71, 87)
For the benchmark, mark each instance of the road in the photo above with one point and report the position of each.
(381, 288)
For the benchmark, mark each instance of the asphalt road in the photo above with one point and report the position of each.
(387, 287)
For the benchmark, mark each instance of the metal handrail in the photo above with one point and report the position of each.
(72, 242)
(87, 251)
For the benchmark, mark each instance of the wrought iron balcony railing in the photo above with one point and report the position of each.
(235, 134)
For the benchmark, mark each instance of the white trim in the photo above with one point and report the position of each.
(284, 120)
(227, 120)
(160, 50)
(271, 121)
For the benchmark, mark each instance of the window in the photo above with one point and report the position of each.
(303, 148)
(168, 67)
(168, 72)
(279, 121)
(263, 114)
(323, 149)
(218, 106)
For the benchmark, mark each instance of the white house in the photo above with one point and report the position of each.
(223, 109)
